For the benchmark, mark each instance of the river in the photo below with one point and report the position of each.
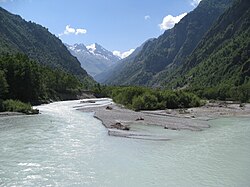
(66, 147)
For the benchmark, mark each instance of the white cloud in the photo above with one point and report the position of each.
(195, 3)
(70, 30)
(81, 31)
(123, 54)
(169, 21)
(147, 17)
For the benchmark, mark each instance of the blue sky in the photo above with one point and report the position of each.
(118, 25)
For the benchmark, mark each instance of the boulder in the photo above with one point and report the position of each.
(120, 126)
(139, 119)
(109, 108)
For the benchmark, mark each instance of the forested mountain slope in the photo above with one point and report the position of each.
(223, 55)
(18, 35)
(173, 47)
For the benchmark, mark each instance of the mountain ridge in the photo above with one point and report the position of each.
(34, 40)
(94, 58)
(173, 46)
(223, 56)
(108, 75)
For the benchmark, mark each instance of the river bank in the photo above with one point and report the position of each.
(114, 116)
(5, 114)
(18, 108)
(66, 147)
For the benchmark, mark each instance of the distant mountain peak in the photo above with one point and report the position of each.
(93, 57)
(34, 40)
(91, 47)
(77, 48)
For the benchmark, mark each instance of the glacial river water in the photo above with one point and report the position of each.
(65, 147)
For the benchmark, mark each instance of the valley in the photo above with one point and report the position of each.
(156, 104)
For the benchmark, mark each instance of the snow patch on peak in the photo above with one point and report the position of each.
(72, 48)
(91, 48)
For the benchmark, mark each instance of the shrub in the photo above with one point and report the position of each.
(141, 98)
(16, 106)
(1, 105)
(138, 103)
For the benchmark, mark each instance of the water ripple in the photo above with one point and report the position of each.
(64, 147)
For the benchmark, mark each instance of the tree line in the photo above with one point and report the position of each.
(142, 98)
(25, 80)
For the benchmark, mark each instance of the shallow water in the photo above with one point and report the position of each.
(65, 147)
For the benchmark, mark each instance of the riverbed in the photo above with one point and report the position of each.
(66, 147)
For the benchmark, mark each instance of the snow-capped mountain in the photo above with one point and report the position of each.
(93, 58)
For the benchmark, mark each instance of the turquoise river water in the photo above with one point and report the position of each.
(66, 147)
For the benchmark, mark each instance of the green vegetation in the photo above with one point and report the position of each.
(171, 48)
(24, 80)
(219, 68)
(20, 36)
(225, 92)
(35, 66)
(16, 106)
(141, 98)
(205, 55)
